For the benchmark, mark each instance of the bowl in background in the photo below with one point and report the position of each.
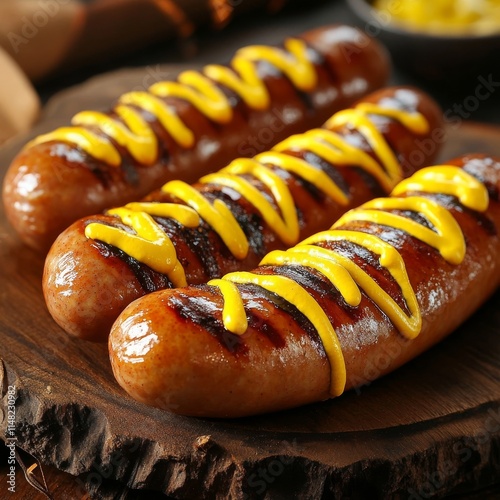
(428, 55)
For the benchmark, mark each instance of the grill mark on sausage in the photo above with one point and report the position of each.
(320, 288)
(149, 280)
(81, 159)
(319, 62)
(258, 295)
(369, 261)
(452, 204)
(194, 309)
(200, 240)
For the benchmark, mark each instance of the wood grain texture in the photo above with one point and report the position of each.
(433, 427)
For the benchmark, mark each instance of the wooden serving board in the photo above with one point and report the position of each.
(432, 427)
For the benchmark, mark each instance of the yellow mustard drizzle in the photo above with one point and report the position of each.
(390, 259)
(146, 245)
(234, 314)
(198, 89)
(445, 237)
(133, 133)
(285, 226)
(326, 144)
(413, 121)
(245, 80)
(347, 277)
(300, 298)
(217, 215)
(447, 179)
(167, 116)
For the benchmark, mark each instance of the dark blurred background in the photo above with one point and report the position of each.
(210, 40)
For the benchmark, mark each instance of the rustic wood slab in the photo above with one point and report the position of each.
(433, 427)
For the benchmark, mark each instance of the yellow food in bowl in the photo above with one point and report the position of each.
(446, 17)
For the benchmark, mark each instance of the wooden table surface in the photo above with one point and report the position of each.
(480, 399)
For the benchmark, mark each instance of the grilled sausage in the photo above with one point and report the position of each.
(302, 327)
(185, 128)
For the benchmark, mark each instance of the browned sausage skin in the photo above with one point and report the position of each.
(88, 281)
(61, 178)
(172, 349)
